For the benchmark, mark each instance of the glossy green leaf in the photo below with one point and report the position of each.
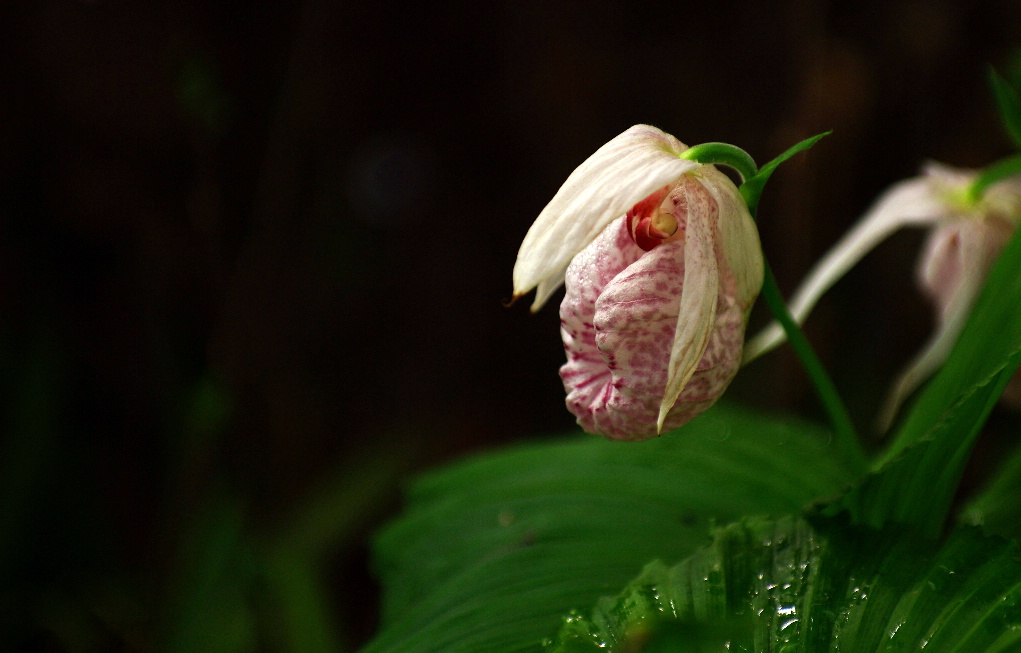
(782, 585)
(915, 480)
(492, 552)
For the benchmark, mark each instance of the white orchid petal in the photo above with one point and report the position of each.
(910, 202)
(618, 175)
(736, 234)
(546, 288)
(697, 314)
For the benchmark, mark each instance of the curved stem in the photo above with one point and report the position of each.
(723, 154)
(847, 438)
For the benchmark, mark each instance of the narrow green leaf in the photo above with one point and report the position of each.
(1009, 105)
(782, 585)
(840, 419)
(751, 189)
(300, 616)
(492, 552)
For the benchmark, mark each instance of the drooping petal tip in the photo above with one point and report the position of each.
(619, 174)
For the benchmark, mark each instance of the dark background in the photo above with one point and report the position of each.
(253, 258)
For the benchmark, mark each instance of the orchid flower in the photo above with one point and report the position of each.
(662, 263)
(967, 234)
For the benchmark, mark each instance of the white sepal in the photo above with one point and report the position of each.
(697, 314)
(619, 174)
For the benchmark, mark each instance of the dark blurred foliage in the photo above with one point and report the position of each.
(253, 258)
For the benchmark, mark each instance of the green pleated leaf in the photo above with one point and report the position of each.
(492, 552)
(782, 585)
(208, 611)
(915, 480)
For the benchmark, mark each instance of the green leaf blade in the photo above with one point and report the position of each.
(493, 552)
(794, 586)
(915, 480)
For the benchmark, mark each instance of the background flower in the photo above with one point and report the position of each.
(967, 234)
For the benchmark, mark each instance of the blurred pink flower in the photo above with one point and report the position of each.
(662, 263)
(966, 237)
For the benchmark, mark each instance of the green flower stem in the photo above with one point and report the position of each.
(753, 181)
(723, 154)
(847, 438)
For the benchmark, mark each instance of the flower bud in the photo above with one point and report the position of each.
(657, 297)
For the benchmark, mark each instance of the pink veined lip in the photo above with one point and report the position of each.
(618, 321)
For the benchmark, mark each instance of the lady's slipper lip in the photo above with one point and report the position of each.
(619, 174)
